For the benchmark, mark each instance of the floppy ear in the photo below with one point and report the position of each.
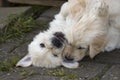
(71, 65)
(25, 61)
(97, 45)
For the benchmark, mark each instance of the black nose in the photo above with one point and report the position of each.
(68, 58)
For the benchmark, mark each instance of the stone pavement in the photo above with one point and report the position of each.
(105, 66)
(7, 11)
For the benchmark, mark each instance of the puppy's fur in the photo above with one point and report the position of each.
(47, 47)
(97, 30)
(82, 27)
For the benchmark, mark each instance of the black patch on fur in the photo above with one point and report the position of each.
(60, 36)
(56, 42)
(58, 39)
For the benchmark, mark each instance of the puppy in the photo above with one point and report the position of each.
(46, 49)
(82, 27)
(97, 30)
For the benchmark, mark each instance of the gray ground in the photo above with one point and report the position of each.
(105, 66)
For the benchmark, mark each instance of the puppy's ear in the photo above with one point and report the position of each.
(25, 61)
(97, 45)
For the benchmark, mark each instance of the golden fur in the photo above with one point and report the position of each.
(95, 29)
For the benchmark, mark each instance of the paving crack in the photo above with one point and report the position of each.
(99, 76)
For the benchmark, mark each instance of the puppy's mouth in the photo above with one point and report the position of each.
(70, 63)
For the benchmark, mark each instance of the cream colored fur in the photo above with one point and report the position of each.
(44, 57)
(99, 28)
(92, 24)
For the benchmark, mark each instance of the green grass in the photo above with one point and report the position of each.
(63, 74)
(8, 64)
(17, 27)
(57, 73)
(70, 76)
(20, 24)
(27, 73)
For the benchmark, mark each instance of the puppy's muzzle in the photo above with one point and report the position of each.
(68, 59)
(69, 62)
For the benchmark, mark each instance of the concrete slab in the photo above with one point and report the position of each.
(113, 73)
(50, 12)
(6, 11)
(6, 48)
(2, 73)
(48, 15)
(21, 50)
(11, 76)
(86, 71)
(39, 77)
(112, 57)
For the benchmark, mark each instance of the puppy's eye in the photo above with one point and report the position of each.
(55, 55)
(81, 47)
(42, 45)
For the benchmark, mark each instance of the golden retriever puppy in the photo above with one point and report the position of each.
(97, 30)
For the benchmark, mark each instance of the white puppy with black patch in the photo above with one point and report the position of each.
(83, 27)
(46, 49)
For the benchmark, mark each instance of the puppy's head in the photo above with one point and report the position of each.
(78, 50)
(89, 33)
(45, 51)
(88, 39)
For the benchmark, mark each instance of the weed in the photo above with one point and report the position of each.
(27, 73)
(70, 76)
(57, 73)
(20, 24)
(61, 73)
(8, 64)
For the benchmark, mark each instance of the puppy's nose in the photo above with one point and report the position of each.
(68, 58)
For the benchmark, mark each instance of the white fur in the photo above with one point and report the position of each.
(43, 57)
(84, 23)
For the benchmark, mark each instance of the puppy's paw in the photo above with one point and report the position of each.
(101, 8)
